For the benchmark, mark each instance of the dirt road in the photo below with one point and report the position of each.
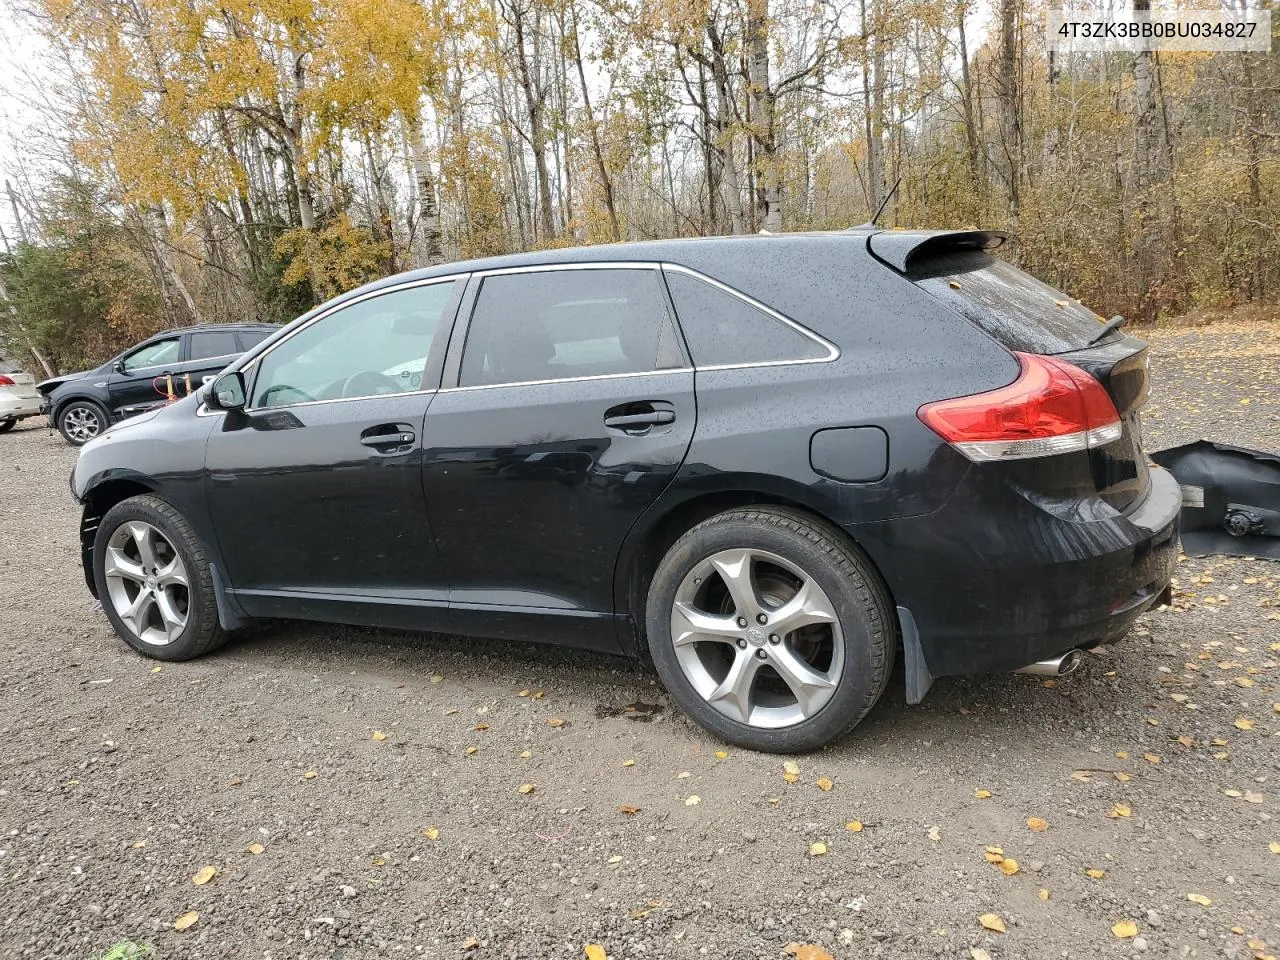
(1156, 766)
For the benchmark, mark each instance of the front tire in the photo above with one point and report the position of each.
(82, 420)
(7, 425)
(770, 629)
(154, 581)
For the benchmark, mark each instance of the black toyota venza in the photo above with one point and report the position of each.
(767, 463)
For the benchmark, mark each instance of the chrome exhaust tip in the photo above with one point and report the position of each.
(1054, 666)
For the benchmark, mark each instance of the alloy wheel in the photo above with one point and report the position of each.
(757, 637)
(82, 423)
(147, 582)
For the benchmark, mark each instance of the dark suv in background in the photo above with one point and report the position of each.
(766, 462)
(82, 405)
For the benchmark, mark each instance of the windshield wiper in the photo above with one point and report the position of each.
(1111, 326)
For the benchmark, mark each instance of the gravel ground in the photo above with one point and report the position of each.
(120, 780)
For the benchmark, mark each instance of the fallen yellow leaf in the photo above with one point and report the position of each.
(790, 766)
(1233, 793)
(527, 788)
(1199, 898)
(1120, 810)
(1125, 929)
(1255, 944)
(1042, 893)
(431, 833)
(526, 754)
(593, 951)
(806, 951)
(555, 722)
(1037, 824)
(1251, 797)
(791, 777)
(1122, 776)
(855, 826)
(992, 922)
(1150, 758)
(817, 849)
(628, 809)
(977, 953)
(309, 775)
(156, 669)
(615, 859)
(1186, 741)
(692, 800)
(435, 678)
(186, 921)
(471, 751)
(204, 875)
(722, 754)
(255, 848)
(523, 693)
(1008, 866)
(379, 735)
(1095, 874)
(1122, 754)
(982, 794)
(1244, 682)
(1274, 847)
(825, 784)
(1244, 723)
(481, 726)
(469, 944)
(628, 763)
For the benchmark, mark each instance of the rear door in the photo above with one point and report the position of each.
(568, 408)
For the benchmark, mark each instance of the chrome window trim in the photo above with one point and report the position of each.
(221, 356)
(833, 352)
(395, 288)
(594, 376)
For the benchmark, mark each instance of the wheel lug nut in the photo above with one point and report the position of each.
(742, 621)
(774, 638)
(742, 643)
(761, 654)
(761, 618)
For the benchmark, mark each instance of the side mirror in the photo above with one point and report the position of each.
(227, 392)
(119, 366)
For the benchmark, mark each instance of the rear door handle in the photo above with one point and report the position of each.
(640, 417)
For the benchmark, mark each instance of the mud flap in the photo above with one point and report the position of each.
(919, 679)
(1230, 498)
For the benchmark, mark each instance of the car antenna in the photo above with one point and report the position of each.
(871, 224)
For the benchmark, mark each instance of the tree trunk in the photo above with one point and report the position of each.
(1010, 99)
(429, 233)
(1146, 149)
(761, 99)
(606, 181)
(537, 127)
(724, 129)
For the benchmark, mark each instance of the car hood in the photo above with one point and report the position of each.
(53, 383)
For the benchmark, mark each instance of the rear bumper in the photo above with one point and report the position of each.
(993, 588)
(19, 408)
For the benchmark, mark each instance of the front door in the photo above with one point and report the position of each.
(572, 411)
(317, 488)
(138, 380)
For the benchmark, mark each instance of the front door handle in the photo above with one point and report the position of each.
(639, 418)
(388, 437)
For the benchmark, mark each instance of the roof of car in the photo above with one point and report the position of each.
(206, 327)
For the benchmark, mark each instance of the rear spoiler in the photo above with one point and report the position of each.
(898, 248)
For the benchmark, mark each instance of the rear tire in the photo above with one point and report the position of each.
(722, 591)
(154, 580)
(7, 425)
(82, 420)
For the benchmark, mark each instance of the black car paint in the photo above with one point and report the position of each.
(543, 524)
(124, 393)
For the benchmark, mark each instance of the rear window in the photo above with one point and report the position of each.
(1010, 304)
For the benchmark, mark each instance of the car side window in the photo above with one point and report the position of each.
(153, 354)
(723, 329)
(373, 347)
(213, 343)
(251, 338)
(555, 324)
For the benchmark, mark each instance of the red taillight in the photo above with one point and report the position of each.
(1053, 407)
(6, 381)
